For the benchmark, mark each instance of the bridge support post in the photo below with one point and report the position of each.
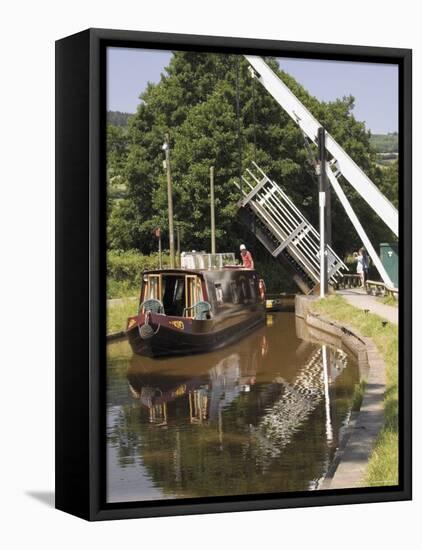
(323, 275)
(212, 206)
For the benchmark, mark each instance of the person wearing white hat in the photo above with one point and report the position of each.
(247, 259)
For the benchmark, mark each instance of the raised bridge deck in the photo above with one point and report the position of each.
(280, 226)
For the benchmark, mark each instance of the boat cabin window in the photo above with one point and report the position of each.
(193, 293)
(177, 292)
(247, 289)
(153, 288)
(174, 294)
(243, 289)
(252, 289)
(235, 292)
(219, 293)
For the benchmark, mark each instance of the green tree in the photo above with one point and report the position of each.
(117, 145)
(390, 182)
(196, 103)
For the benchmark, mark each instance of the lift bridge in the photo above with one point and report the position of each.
(284, 231)
(278, 223)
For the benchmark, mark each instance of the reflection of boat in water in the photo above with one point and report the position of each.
(280, 407)
(258, 416)
(205, 396)
(186, 311)
(217, 380)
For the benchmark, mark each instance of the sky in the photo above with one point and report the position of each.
(374, 85)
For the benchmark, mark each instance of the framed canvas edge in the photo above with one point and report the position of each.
(98, 509)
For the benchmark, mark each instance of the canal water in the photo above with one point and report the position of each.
(264, 415)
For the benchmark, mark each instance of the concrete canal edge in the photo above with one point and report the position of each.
(348, 468)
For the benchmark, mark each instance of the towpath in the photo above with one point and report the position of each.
(359, 298)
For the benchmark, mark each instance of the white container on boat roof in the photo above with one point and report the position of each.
(202, 260)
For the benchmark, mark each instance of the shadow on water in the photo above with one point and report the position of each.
(45, 497)
(264, 415)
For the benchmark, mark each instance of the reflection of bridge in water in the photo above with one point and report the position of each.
(299, 399)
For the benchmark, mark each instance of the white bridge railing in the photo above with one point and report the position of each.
(289, 229)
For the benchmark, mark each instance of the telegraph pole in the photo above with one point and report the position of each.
(158, 235)
(178, 243)
(212, 210)
(166, 149)
(323, 276)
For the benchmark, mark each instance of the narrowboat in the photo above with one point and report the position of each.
(195, 309)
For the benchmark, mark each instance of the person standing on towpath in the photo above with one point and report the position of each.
(362, 266)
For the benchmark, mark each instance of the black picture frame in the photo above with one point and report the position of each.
(81, 268)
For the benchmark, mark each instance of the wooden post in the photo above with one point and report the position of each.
(178, 244)
(157, 235)
(212, 204)
(166, 148)
(159, 251)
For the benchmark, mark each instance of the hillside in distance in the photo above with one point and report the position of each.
(382, 143)
(385, 143)
(118, 118)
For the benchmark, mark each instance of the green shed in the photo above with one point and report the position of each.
(389, 255)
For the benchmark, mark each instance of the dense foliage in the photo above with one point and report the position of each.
(117, 147)
(196, 103)
(390, 182)
(124, 271)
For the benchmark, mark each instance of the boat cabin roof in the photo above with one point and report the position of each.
(210, 273)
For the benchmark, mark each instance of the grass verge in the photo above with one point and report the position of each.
(389, 300)
(118, 312)
(383, 464)
(121, 289)
(358, 395)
